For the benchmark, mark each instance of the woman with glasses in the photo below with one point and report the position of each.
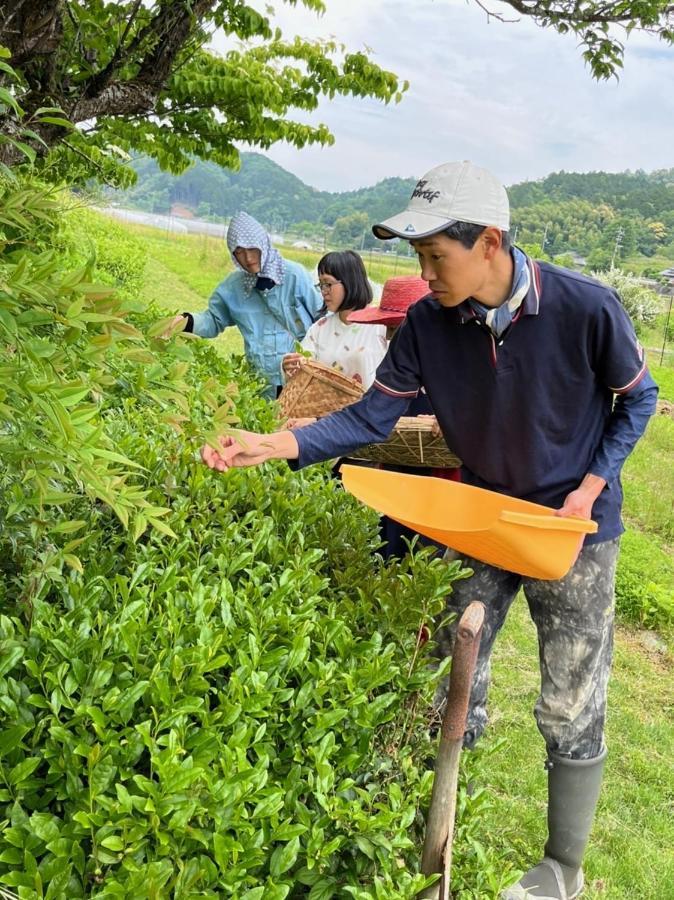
(353, 349)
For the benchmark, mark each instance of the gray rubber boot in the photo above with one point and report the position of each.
(573, 791)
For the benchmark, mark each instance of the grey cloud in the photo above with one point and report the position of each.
(516, 98)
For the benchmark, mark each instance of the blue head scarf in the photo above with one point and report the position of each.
(245, 231)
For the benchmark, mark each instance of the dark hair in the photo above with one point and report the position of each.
(347, 267)
(467, 233)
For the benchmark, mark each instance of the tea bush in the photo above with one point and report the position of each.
(63, 339)
(120, 257)
(235, 711)
(209, 686)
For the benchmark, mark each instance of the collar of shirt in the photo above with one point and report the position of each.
(523, 300)
(264, 284)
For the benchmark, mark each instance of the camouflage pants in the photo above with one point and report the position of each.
(574, 621)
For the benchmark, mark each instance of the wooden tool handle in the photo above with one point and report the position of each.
(437, 854)
(464, 654)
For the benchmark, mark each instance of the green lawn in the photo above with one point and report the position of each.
(648, 480)
(631, 856)
(664, 375)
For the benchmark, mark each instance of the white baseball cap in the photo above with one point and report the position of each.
(452, 192)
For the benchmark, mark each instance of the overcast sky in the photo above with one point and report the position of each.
(515, 98)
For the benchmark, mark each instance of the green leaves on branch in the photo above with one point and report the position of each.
(598, 25)
(18, 138)
(137, 77)
(98, 81)
(67, 349)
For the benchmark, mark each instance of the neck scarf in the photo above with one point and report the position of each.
(245, 231)
(498, 319)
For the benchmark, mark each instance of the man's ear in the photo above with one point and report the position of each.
(492, 241)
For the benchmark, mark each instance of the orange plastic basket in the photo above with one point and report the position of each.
(512, 534)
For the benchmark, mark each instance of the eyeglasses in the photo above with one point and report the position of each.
(326, 286)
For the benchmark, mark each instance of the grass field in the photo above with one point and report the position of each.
(631, 856)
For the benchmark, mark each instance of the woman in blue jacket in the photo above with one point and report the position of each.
(271, 300)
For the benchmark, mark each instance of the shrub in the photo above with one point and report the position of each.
(642, 304)
(645, 582)
(63, 341)
(119, 256)
(238, 710)
(226, 697)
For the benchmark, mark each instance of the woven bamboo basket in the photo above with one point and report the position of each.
(317, 390)
(412, 443)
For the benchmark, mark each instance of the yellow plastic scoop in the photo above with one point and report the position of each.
(516, 535)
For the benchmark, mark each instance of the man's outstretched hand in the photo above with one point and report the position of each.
(246, 448)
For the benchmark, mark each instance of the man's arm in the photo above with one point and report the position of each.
(619, 363)
(246, 448)
(631, 412)
(371, 420)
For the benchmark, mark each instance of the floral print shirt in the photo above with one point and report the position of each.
(355, 349)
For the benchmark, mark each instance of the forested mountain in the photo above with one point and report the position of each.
(263, 188)
(600, 214)
(606, 215)
(645, 193)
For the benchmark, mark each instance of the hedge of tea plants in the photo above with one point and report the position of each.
(210, 685)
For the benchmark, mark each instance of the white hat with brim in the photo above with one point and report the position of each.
(450, 193)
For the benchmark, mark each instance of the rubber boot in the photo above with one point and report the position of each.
(573, 791)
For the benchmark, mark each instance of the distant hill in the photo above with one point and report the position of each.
(613, 215)
(261, 187)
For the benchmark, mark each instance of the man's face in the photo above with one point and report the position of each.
(453, 272)
(249, 259)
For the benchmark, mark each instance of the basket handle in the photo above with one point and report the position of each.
(555, 523)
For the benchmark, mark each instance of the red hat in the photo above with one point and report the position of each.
(398, 295)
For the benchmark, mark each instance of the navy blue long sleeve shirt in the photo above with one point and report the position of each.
(565, 392)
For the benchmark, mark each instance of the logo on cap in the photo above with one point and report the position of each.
(409, 228)
(424, 193)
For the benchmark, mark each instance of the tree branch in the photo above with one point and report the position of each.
(103, 78)
(175, 22)
(578, 13)
(33, 33)
(34, 28)
(120, 98)
(166, 34)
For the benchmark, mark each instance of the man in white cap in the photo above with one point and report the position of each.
(540, 386)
